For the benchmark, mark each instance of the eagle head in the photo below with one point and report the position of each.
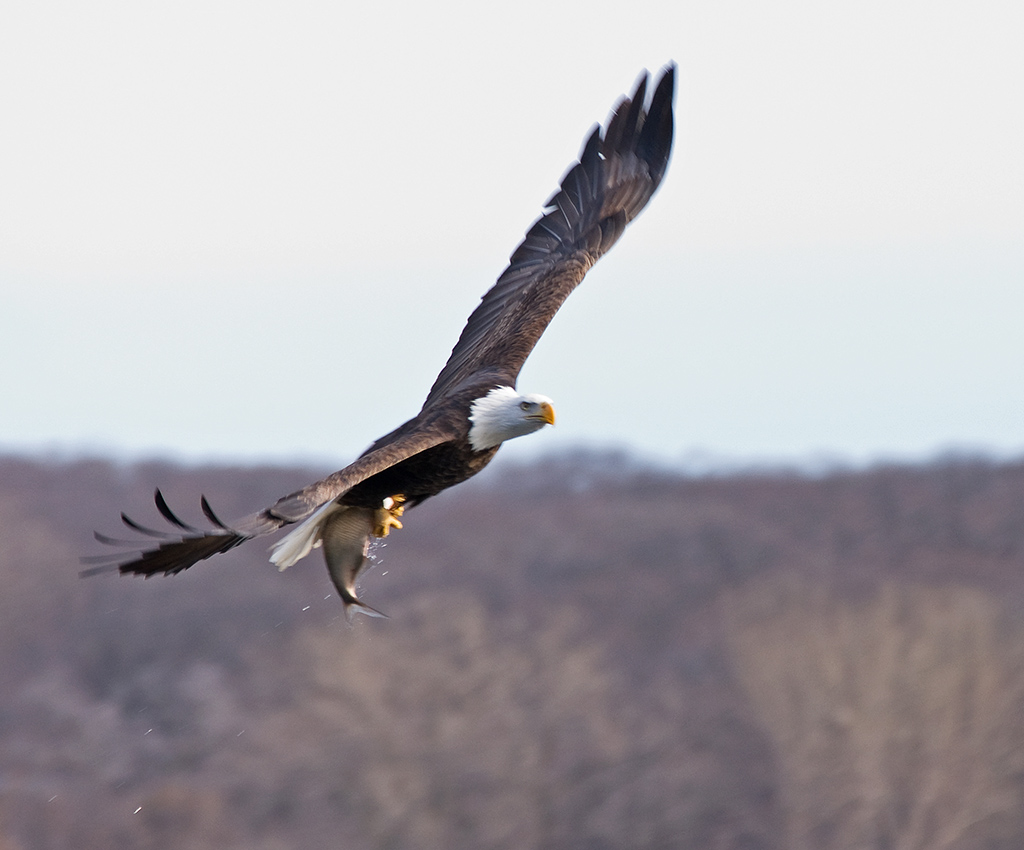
(503, 414)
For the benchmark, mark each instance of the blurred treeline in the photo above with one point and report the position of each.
(582, 653)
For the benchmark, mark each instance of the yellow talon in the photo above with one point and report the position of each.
(385, 518)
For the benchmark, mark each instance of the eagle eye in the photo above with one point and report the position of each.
(524, 405)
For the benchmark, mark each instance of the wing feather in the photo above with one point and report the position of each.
(177, 552)
(615, 177)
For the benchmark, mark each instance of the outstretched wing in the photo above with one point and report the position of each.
(616, 176)
(178, 550)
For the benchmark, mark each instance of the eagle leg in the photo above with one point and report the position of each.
(386, 517)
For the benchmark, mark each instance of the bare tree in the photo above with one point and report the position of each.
(898, 721)
(471, 732)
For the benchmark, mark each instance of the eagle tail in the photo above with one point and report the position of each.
(295, 545)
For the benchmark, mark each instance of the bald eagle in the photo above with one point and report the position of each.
(473, 406)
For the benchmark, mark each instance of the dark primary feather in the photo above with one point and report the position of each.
(616, 175)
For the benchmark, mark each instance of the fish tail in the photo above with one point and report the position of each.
(353, 606)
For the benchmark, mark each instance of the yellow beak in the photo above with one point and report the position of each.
(547, 413)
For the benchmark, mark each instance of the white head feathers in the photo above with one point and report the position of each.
(503, 414)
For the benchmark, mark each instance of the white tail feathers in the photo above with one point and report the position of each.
(297, 544)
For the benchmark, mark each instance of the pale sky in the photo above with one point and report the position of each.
(253, 231)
